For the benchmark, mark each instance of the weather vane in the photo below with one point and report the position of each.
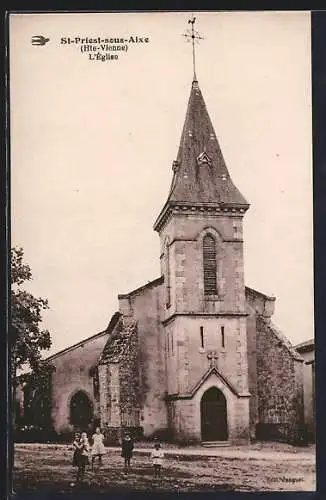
(194, 36)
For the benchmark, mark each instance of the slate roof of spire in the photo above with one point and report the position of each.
(200, 173)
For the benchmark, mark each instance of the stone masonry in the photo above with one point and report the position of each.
(280, 383)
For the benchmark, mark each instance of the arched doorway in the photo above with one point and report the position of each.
(81, 410)
(213, 413)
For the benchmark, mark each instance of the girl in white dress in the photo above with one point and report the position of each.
(98, 449)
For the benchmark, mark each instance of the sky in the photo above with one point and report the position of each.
(92, 146)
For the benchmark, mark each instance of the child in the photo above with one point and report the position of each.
(157, 456)
(127, 448)
(84, 450)
(76, 449)
(98, 449)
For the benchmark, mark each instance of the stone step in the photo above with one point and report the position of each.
(215, 444)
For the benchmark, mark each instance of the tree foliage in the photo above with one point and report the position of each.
(27, 337)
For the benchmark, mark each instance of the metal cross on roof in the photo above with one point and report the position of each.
(213, 357)
(194, 36)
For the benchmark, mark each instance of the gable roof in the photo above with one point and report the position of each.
(210, 371)
(256, 293)
(150, 284)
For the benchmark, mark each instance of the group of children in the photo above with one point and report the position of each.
(82, 450)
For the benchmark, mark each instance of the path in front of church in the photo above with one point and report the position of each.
(272, 468)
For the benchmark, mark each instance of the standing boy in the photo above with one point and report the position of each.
(127, 449)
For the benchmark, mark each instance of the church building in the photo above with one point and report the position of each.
(193, 355)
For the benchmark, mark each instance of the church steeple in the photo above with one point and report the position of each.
(204, 309)
(200, 175)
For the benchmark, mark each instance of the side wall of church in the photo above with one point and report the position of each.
(252, 373)
(144, 308)
(257, 304)
(72, 374)
(279, 385)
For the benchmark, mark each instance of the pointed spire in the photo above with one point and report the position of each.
(196, 181)
(200, 175)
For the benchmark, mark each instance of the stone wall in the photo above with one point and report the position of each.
(252, 372)
(279, 384)
(129, 382)
(120, 391)
(144, 306)
(105, 394)
(257, 304)
(72, 374)
(109, 376)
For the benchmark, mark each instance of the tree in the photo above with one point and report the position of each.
(27, 338)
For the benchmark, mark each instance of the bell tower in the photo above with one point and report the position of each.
(204, 318)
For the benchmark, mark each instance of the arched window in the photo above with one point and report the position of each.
(210, 267)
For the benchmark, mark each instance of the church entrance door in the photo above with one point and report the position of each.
(213, 413)
(81, 411)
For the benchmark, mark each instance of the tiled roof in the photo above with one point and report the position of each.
(118, 341)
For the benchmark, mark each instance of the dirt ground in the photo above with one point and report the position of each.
(47, 468)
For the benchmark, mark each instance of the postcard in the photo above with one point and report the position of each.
(161, 248)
